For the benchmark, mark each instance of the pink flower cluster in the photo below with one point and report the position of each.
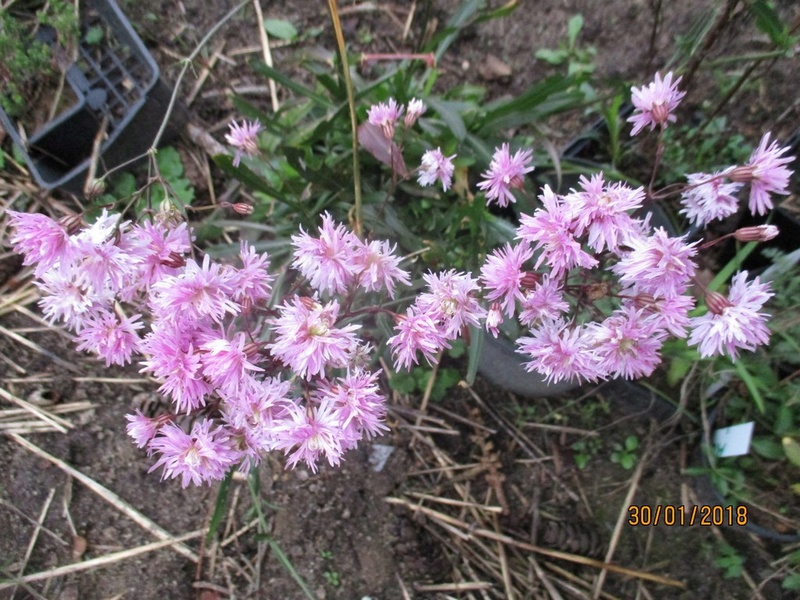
(293, 378)
(582, 256)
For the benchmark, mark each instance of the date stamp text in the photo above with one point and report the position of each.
(704, 515)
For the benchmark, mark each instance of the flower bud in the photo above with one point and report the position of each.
(530, 280)
(741, 174)
(174, 260)
(94, 188)
(414, 110)
(242, 208)
(759, 233)
(252, 349)
(71, 223)
(643, 300)
(717, 303)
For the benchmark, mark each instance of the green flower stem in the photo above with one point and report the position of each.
(351, 101)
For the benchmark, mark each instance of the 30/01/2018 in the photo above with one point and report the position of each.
(671, 515)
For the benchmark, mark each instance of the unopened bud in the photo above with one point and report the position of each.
(741, 174)
(717, 303)
(174, 260)
(759, 233)
(94, 188)
(71, 223)
(415, 108)
(252, 349)
(242, 208)
(530, 280)
(643, 300)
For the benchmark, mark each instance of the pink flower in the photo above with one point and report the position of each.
(328, 262)
(103, 264)
(415, 109)
(670, 313)
(451, 301)
(173, 359)
(543, 303)
(505, 173)
(552, 229)
(359, 402)
(436, 165)
(257, 408)
(708, 198)
(655, 103)
(502, 275)
(64, 299)
(313, 431)
(252, 283)
(307, 339)
(385, 116)
(199, 292)
(415, 331)
(494, 318)
(560, 352)
(377, 267)
(658, 265)
(244, 138)
(158, 248)
(766, 173)
(225, 362)
(143, 429)
(734, 322)
(626, 344)
(42, 241)
(111, 338)
(603, 211)
(203, 456)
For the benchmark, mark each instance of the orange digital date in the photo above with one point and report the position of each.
(705, 515)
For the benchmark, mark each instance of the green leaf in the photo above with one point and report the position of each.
(280, 29)
(449, 112)
(751, 383)
(94, 35)
(573, 29)
(403, 382)
(770, 22)
(792, 450)
(169, 163)
(500, 12)
(555, 94)
(220, 506)
(791, 582)
(475, 348)
(554, 57)
(767, 447)
(291, 84)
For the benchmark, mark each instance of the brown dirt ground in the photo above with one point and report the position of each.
(336, 528)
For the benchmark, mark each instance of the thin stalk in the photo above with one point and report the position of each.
(351, 101)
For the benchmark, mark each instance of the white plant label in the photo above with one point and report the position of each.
(734, 440)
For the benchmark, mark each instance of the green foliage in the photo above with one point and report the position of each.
(579, 61)
(281, 29)
(27, 62)
(730, 561)
(585, 449)
(625, 454)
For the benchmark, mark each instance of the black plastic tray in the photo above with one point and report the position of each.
(115, 80)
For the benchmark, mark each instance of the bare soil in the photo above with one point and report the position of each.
(417, 527)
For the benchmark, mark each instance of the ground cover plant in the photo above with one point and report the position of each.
(270, 360)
